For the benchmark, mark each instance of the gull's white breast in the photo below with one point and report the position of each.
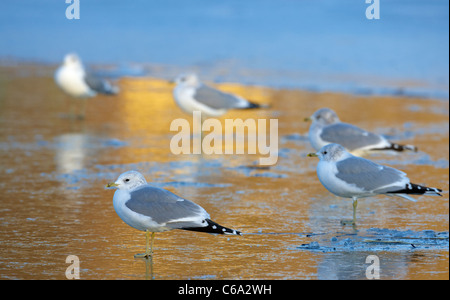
(326, 171)
(71, 80)
(314, 137)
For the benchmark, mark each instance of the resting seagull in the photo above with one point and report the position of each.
(152, 209)
(192, 95)
(349, 176)
(326, 128)
(72, 78)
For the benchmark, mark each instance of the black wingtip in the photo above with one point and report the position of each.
(399, 148)
(213, 227)
(416, 189)
(110, 91)
(252, 105)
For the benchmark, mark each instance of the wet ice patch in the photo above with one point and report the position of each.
(259, 171)
(178, 184)
(295, 138)
(113, 143)
(375, 239)
(169, 174)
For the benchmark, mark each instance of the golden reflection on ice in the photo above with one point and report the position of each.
(54, 171)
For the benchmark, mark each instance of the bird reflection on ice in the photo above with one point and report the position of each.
(71, 152)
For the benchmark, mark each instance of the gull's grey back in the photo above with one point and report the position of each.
(367, 174)
(99, 85)
(349, 136)
(162, 205)
(215, 98)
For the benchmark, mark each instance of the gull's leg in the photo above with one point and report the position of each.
(148, 252)
(151, 244)
(72, 109)
(148, 268)
(82, 114)
(353, 221)
(355, 204)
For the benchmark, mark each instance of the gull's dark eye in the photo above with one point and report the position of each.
(127, 179)
(324, 152)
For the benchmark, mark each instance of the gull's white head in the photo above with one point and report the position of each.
(128, 181)
(331, 153)
(71, 60)
(190, 80)
(325, 116)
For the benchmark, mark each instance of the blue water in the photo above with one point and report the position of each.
(317, 45)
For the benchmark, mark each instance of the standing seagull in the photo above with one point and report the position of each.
(354, 177)
(192, 95)
(326, 128)
(152, 209)
(72, 78)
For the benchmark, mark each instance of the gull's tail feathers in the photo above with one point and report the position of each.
(213, 227)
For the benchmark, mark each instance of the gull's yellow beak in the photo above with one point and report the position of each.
(312, 155)
(307, 119)
(112, 184)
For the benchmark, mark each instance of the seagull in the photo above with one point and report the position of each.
(354, 177)
(192, 95)
(72, 78)
(152, 209)
(326, 128)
